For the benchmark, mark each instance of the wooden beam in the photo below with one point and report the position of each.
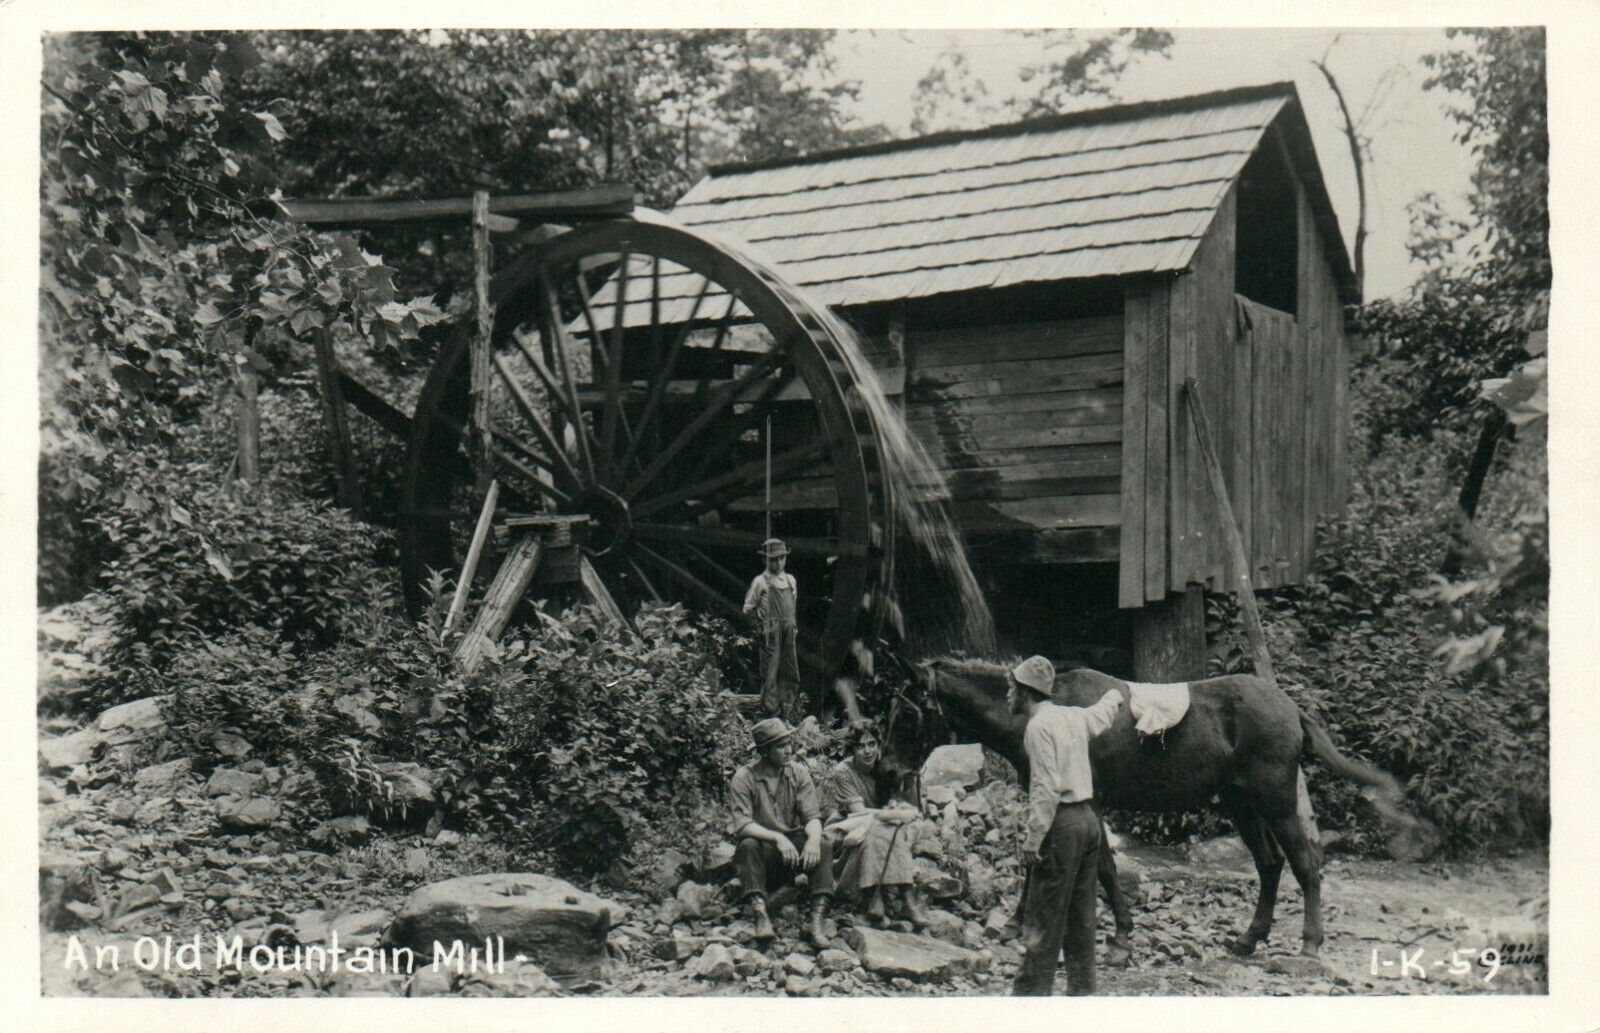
(1169, 638)
(333, 418)
(1241, 564)
(601, 596)
(511, 581)
(469, 569)
(605, 201)
(482, 440)
(374, 406)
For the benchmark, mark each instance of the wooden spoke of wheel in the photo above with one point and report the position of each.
(603, 363)
(658, 387)
(549, 491)
(644, 579)
(742, 540)
(558, 341)
(714, 353)
(749, 473)
(735, 584)
(713, 449)
(558, 396)
(721, 399)
(619, 330)
(564, 468)
(728, 607)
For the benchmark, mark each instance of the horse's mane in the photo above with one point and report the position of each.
(974, 666)
(977, 666)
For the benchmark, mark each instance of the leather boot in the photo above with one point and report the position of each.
(875, 911)
(758, 911)
(815, 931)
(912, 907)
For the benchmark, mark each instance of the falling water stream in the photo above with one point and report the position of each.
(931, 598)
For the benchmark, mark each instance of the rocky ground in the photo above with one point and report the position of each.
(134, 852)
(158, 852)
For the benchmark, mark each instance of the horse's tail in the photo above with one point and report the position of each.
(1410, 837)
(1320, 743)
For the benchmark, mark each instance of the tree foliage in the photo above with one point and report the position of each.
(161, 276)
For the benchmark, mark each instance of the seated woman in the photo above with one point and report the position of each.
(875, 854)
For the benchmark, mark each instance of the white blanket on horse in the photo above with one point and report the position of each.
(1156, 708)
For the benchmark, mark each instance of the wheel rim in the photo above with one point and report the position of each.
(657, 432)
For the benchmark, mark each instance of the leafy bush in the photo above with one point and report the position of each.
(1356, 646)
(194, 563)
(245, 685)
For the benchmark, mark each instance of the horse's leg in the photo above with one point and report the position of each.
(1269, 866)
(1305, 858)
(1121, 952)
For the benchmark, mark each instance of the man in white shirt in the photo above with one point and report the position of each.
(1061, 843)
(771, 605)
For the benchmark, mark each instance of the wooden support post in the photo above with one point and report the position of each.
(482, 440)
(1169, 638)
(247, 422)
(601, 595)
(510, 583)
(340, 451)
(1243, 588)
(469, 569)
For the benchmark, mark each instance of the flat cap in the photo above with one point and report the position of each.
(1037, 675)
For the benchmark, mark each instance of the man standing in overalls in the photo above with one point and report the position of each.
(770, 603)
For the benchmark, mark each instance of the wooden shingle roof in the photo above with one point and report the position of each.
(1115, 191)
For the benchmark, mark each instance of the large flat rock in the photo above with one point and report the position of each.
(891, 954)
(554, 923)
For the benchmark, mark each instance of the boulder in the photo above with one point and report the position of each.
(908, 955)
(714, 964)
(796, 986)
(162, 776)
(938, 796)
(662, 873)
(748, 962)
(835, 960)
(520, 979)
(938, 884)
(799, 965)
(560, 927)
(953, 766)
(716, 863)
(232, 782)
(65, 881)
(412, 785)
(247, 813)
(1223, 851)
(995, 922)
(130, 722)
(696, 899)
(680, 946)
(65, 752)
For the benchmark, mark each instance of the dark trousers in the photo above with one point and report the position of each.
(1059, 913)
(761, 867)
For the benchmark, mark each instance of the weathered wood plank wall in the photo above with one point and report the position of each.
(1274, 384)
(1025, 420)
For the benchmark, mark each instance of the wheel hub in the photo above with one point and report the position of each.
(610, 520)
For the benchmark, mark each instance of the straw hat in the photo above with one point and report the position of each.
(774, 547)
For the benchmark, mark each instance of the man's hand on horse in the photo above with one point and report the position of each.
(812, 853)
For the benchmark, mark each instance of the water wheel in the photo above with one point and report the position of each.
(636, 368)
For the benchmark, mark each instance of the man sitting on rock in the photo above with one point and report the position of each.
(875, 858)
(778, 823)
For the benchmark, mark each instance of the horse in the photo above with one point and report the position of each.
(1241, 743)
